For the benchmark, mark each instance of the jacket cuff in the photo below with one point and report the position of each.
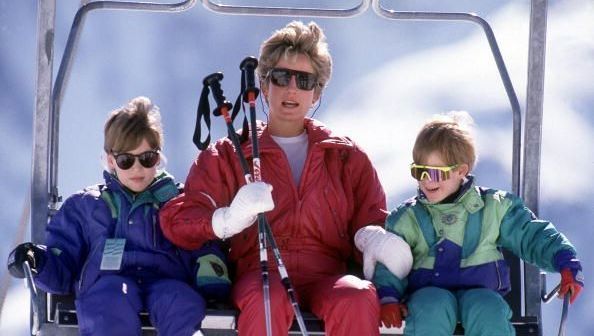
(389, 299)
(566, 259)
(388, 293)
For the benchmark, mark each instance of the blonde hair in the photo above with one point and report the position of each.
(127, 126)
(294, 39)
(450, 135)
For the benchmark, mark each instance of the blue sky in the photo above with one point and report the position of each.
(389, 76)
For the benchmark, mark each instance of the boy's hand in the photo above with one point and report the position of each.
(34, 254)
(572, 281)
(392, 314)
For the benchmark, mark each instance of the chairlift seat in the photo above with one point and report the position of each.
(221, 320)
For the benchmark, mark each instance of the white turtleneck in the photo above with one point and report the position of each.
(295, 149)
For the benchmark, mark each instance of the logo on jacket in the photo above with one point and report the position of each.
(449, 219)
(218, 269)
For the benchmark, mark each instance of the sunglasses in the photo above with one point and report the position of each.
(433, 173)
(147, 159)
(282, 77)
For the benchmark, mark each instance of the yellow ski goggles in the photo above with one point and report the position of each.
(433, 173)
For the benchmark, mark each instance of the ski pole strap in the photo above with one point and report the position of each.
(245, 126)
(202, 113)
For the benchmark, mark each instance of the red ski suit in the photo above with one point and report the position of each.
(313, 224)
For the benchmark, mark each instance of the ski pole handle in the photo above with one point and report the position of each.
(248, 67)
(223, 105)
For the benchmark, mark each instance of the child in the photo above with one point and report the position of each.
(105, 243)
(456, 230)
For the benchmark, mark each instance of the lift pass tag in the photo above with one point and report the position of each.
(112, 254)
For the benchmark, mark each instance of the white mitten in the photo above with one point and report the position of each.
(380, 245)
(250, 200)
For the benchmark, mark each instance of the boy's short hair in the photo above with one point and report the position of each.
(127, 126)
(297, 38)
(450, 136)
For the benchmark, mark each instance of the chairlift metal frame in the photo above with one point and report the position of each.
(44, 191)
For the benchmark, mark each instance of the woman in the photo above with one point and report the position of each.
(323, 186)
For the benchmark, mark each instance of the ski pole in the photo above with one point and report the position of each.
(546, 298)
(223, 107)
(549, 297)
(564, 315)
(33, 294)
(248, 66)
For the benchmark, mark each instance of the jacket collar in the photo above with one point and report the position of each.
(469, 197)
(160, 190)
(318, 135)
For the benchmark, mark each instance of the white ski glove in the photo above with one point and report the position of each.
(380, 245)
(250, 200)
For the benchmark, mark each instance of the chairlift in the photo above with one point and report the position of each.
(55, 315)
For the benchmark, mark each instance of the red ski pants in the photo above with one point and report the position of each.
(346, 304)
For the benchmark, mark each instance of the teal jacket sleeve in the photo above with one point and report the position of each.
(389, 287)
(532, 240)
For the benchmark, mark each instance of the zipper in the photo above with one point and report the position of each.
(305, 172)
(154, 230)
(498, 275)
(84, 268)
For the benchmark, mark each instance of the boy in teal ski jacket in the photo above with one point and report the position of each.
(456, 230)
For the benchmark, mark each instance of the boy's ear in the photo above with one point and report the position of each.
(464, 169)
(111, 164)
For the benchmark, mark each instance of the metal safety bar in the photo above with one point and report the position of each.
(287, 11)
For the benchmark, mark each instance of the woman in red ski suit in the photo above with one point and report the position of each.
(324, 189)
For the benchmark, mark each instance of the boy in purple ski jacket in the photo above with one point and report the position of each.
(105, 244)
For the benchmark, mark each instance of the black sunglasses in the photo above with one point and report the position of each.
(282, 77)
(147, 159)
